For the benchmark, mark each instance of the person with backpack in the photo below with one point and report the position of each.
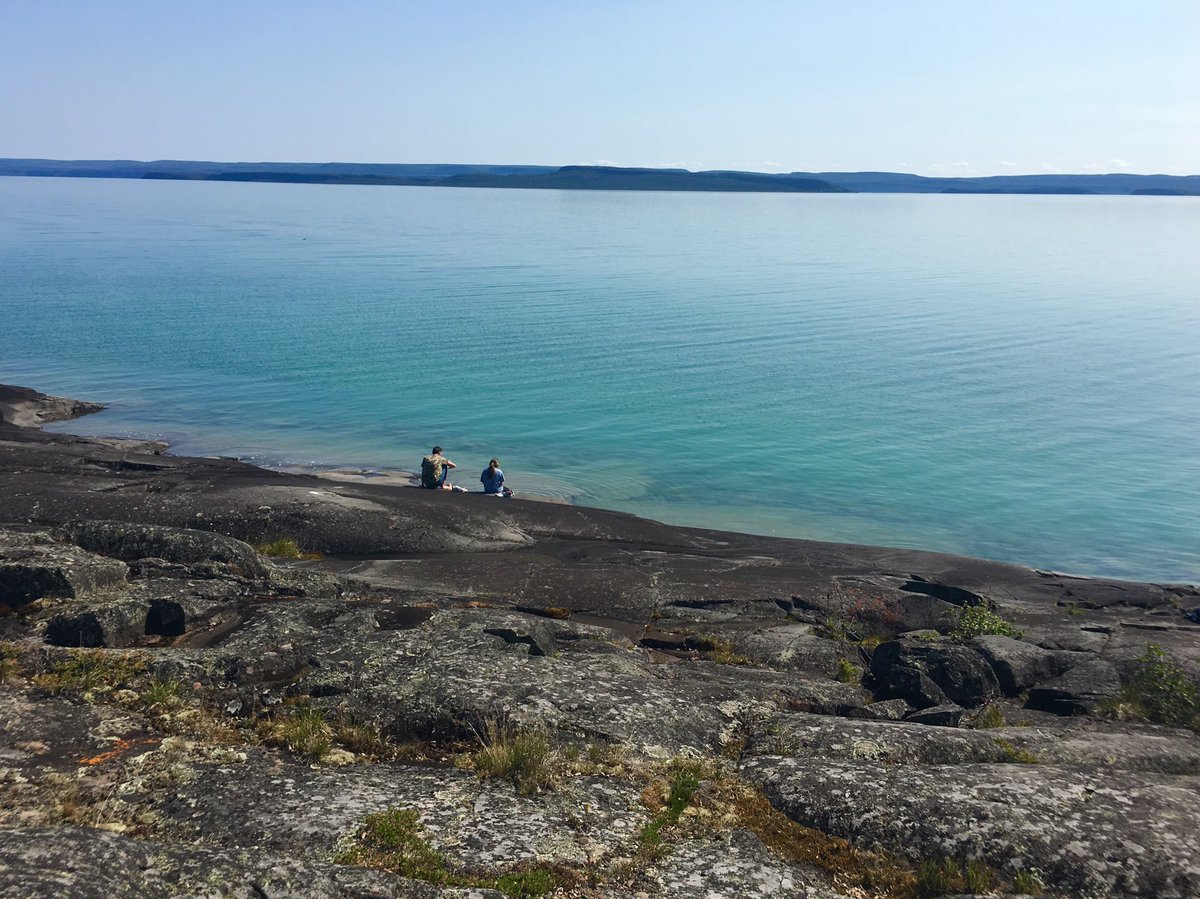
(435, 468)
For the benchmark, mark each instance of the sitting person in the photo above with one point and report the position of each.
(493, 479)
(435, 468)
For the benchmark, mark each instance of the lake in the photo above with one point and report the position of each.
(1013, 377)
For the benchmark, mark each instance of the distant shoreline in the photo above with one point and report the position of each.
(581, 177)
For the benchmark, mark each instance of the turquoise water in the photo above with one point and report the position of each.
(1009, 377)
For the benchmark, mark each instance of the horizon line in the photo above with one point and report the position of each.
(595, 165)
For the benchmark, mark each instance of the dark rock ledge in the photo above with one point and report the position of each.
(822, 713)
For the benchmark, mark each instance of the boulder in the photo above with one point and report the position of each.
(24, 407)
(33, 566)
(885, 710)
(131, 542)
(927, 674)
(1020, 665)
(886, 743)
(946, 715)
(1080, 691)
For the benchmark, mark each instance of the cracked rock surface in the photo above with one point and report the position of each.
(181, 715)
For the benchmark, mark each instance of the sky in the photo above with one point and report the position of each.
(973, 87)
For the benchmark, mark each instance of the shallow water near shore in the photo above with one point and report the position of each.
(1007, 377)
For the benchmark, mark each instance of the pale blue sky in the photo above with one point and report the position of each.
(969, 87)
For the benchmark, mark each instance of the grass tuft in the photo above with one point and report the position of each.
(526, 757)
(685, 780)
(394, 840)
(949, 877)
(716, 649)
(285, 548)
(305, 732)
(162, 694)
(1027, 884)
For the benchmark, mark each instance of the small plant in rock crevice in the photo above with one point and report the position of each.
(950, 877)
(721, 651)
(685, 780)
(1026, 883)
(1013, 753)
(990, 716)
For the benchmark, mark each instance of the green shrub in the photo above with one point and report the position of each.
(847, 672)
(837, 628)
(974, 621)
(1161, 690)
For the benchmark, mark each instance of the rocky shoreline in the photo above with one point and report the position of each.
(218, 680)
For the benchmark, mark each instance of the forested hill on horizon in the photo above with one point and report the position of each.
(576, 177)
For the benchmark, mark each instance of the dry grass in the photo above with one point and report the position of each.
(524, 756)
(285, 548)
(91, 671)
(10, 665)
(304, 732)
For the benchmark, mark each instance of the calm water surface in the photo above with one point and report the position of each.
(1008, 377)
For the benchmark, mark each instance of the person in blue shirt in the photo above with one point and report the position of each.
(492, 478)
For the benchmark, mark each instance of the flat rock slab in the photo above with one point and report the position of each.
(462, 667)
(90, 864)
(1076, 743)
(1112, 834)
(288, 807)
(737, 866)
(37, 731)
